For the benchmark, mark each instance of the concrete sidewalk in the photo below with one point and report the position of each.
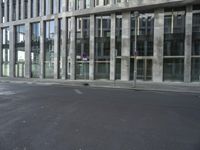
(141, 85)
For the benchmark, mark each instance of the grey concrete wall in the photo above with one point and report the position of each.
(125, 60)
(27, 50)
(42, 49)
(188, 44)
(72, 49)
(92, 47)
(64, 49)
(6, 8)
(158, 45)
(112, 47)
(12, 51)
(56, 56)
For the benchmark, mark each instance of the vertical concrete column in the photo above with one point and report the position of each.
(50, 6)
(17, 9)
(158, 46)
(92, 3)
(73, 5)
(6, 11)
(64, 48)
(42, 35)
(82, 4)
(42, 8)
(125, 60)
(27, 50)
(188, 44)
(1, 36)
(64, 5)
(112, 2)
(55, 3)
(35, 8)
(56, 53)
(29, 9)
(11, 9)
(112, 47)
(72, 49)
(92, 47)
(22, 9)
(12, 51)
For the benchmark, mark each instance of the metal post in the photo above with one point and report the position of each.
(136, 14)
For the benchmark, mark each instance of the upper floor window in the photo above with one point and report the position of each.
(5, 36)
(86, 4)
(20, 34)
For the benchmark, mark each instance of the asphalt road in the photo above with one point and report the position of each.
(55, 117)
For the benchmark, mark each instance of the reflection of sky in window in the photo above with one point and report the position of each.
(20, 33)
(49, 29)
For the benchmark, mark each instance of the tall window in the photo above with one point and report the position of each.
(2, 12)
(47, 7)
(86, 4)
(25, 9)
(102, 47)
(60, 40)
(106, 2)
(5, 53)
(118, 46)
(77, 3)
(8, 10)
(82, 47)
(35, 50)
(19, 51)
(174, 41)
(32, 8)
(14, 10)
(49, 49)
(60, 6)
(20, 10)
(145, 36)
(195, 74)
(38, 7)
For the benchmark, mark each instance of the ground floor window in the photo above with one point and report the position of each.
(5, 62)
(173, 69)
(102, 69)
(195, 72)
(144, 69)
(35, 62)
(118, 69)
(20, 62)
(82, 70)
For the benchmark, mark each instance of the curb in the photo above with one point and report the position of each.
(94, 85)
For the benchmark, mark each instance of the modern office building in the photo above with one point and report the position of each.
(100, 39)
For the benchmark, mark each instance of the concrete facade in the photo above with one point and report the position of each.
(67, 52)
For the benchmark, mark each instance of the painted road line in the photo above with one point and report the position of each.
(78, 91)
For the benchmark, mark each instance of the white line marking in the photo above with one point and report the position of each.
(78, 91)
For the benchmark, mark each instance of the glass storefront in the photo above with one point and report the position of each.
(195, 68)
(20, 51)
(35, 50)
(5, 53)
(102, 47)
(49, 49)
(173, 69)
(82, 47)
(174, 42)
(145, 37)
